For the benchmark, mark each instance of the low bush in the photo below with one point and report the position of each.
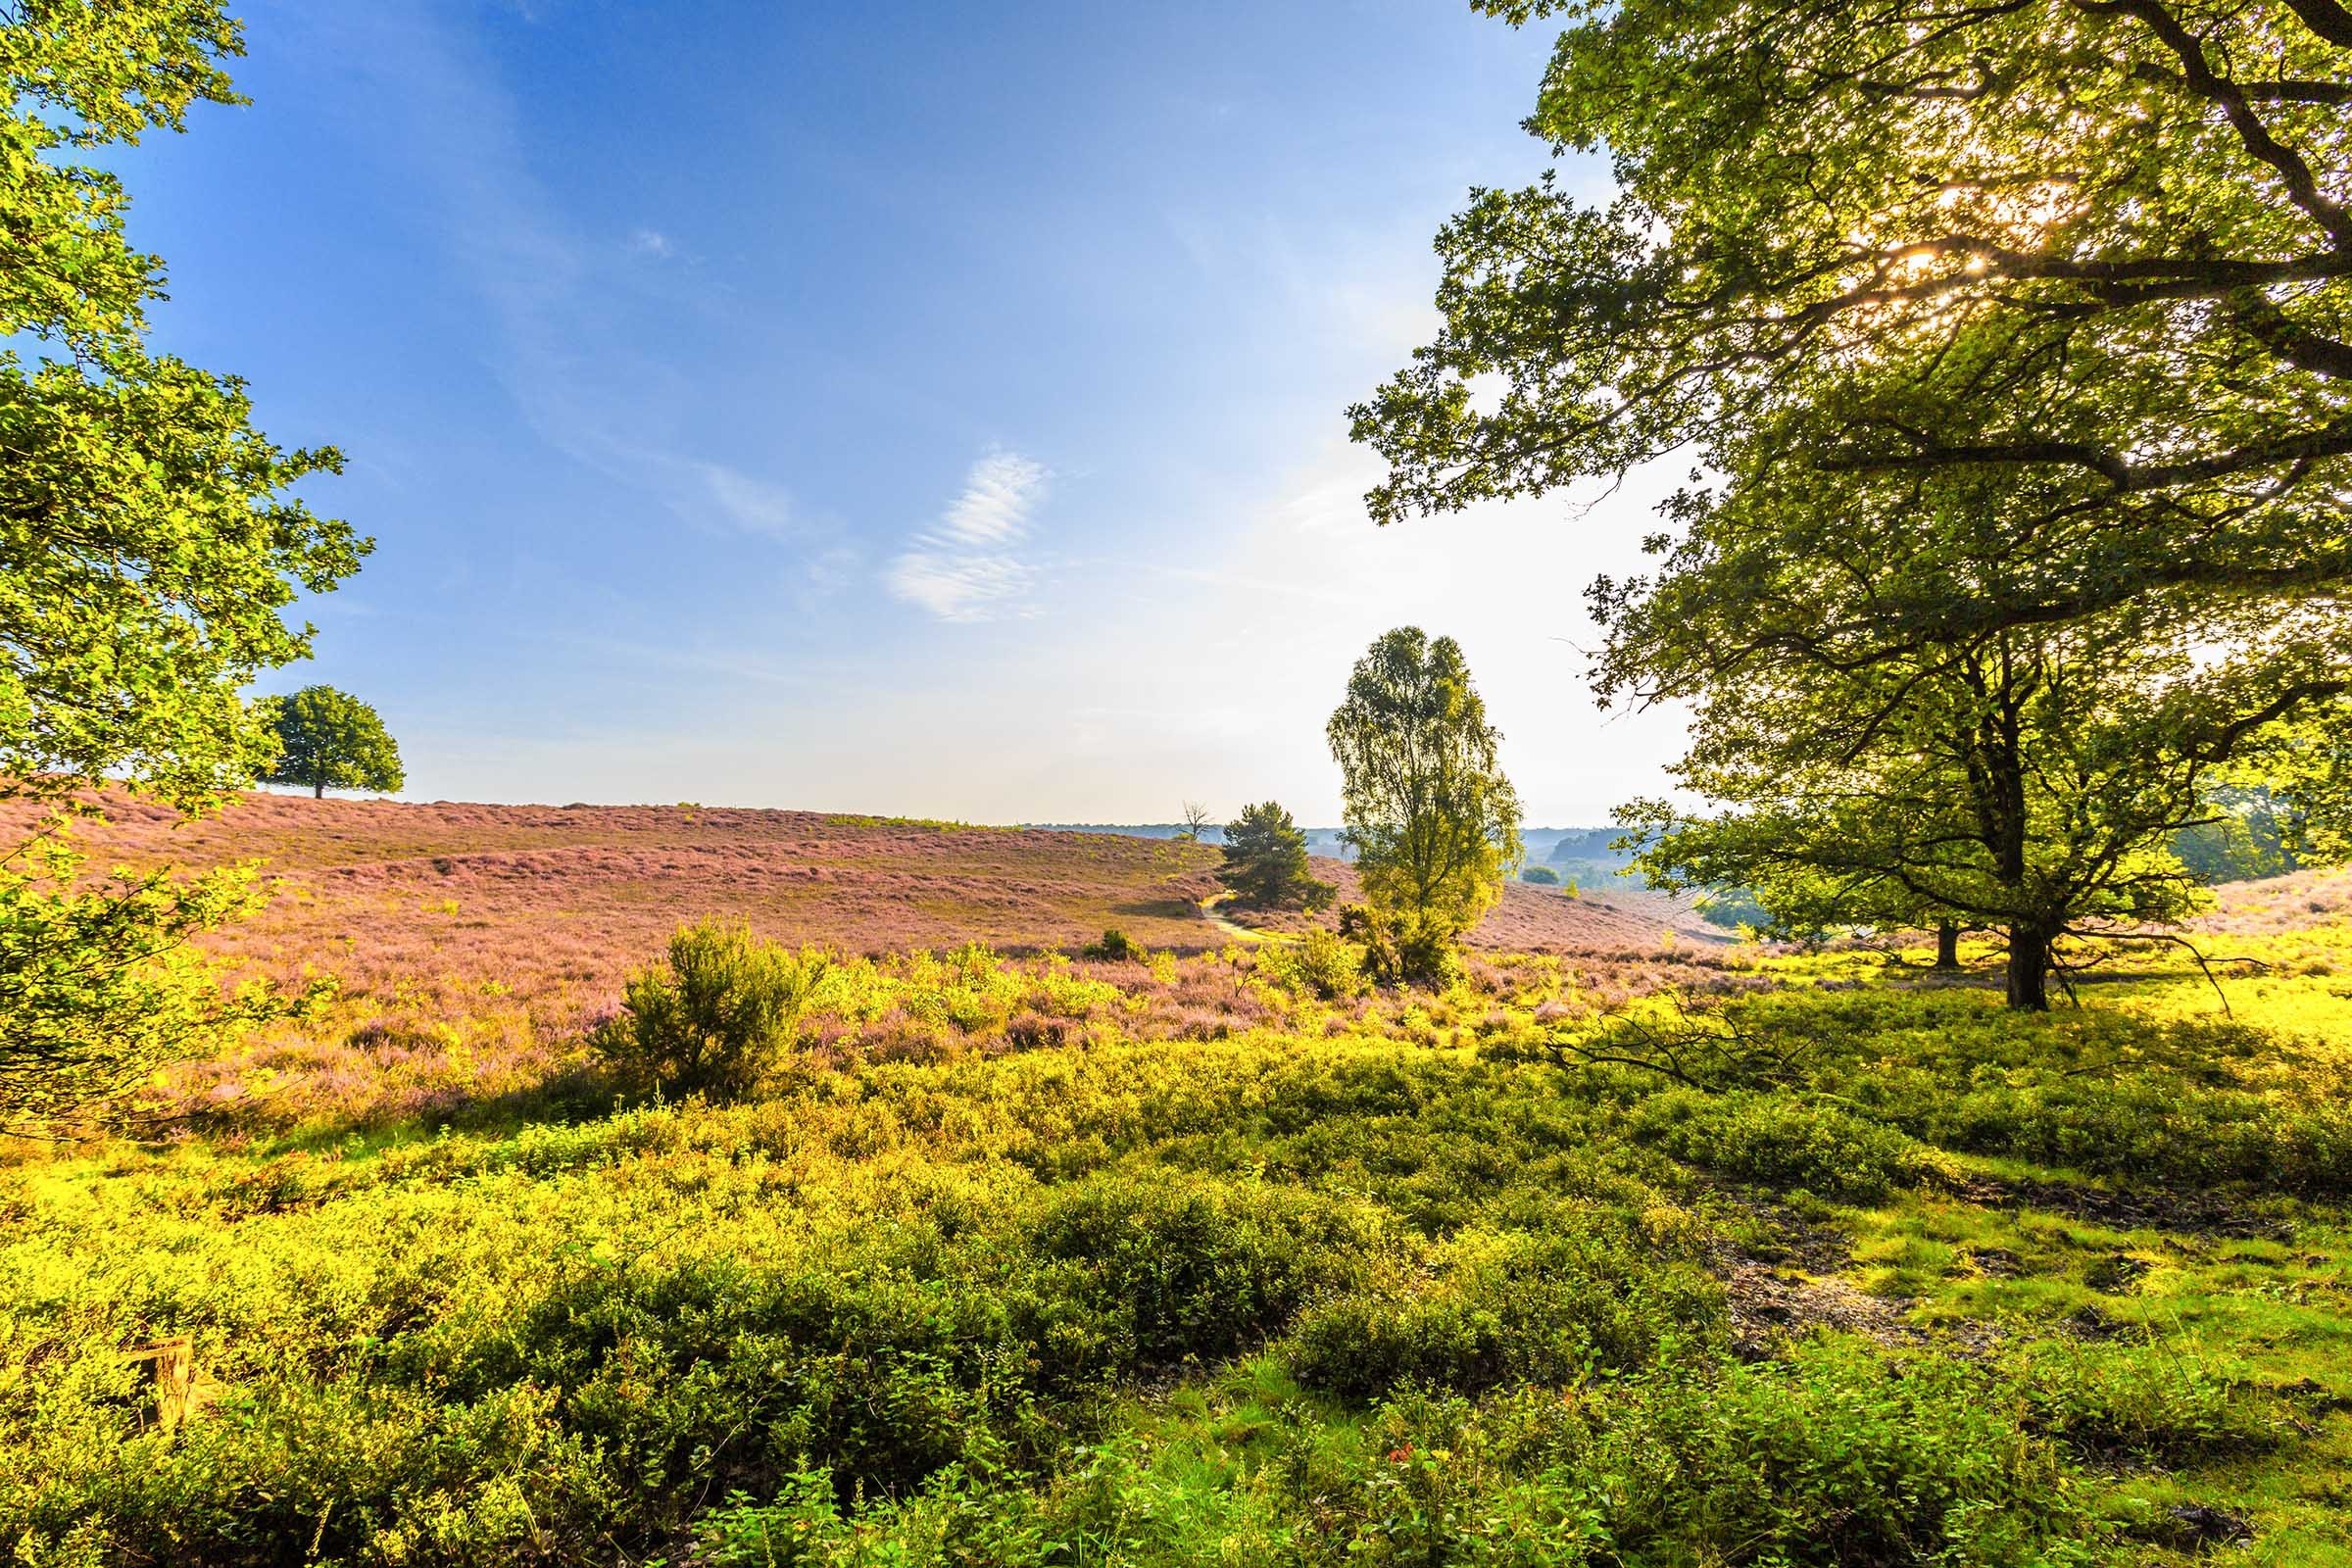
(2134, 1402)
(1190, 1266)
(717, 1019)
(1401, 950)
(1784, 1140)
(1838, 1456)
(2145, 1127)
(1321, 965)
(1116, 947)
(1593, 1292)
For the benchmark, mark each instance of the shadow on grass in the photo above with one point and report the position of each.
(579, 1092)
(1158, 909)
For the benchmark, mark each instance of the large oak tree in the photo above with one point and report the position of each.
(2013, 336)
(1896, 745)
(2103, 243)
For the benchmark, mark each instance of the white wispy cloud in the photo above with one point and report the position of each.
(998, 497)
(652, 242)
(965, 567)
(752, 505)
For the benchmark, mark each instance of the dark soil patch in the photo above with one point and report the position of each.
(2151, 1208)
(1770, 1305)
(1779, 1292)
(2195, 1527)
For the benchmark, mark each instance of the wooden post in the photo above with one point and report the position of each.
(178, 1388)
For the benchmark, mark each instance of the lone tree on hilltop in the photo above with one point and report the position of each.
(1196, 821)
(1434, 821)
(331, 740)
(1265, 861)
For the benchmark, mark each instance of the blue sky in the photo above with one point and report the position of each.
(932, 409)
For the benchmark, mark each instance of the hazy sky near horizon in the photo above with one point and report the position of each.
(935, 411)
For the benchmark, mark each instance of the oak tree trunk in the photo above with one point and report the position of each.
(2030, 966)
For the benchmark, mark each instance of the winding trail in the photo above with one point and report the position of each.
(1234, 928)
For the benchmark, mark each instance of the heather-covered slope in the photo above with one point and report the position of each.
(540, 900)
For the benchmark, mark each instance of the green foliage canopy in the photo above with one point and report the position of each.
(328, 739)
(148, 546)
(2096, 249)
(1434, 821)
(147, 542)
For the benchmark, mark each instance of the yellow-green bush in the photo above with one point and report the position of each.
(717, 1019)
(1784, 1140)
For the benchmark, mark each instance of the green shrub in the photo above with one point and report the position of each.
(1512, 1307)
(1112, 1509)
(1329, 965)
(1320, 964)
(717, 1019)
(1116, 947)
(2152, 1128)
(1194, 1266)
(1539, 875)
(2143, 1402)
(1838, 1456)
(1784, 1140)
(1401, 950)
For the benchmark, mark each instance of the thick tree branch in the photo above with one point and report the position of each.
(2260, 92)
(2302, 188)
(2326, 17)
(2223, 741)
(2126, 476)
